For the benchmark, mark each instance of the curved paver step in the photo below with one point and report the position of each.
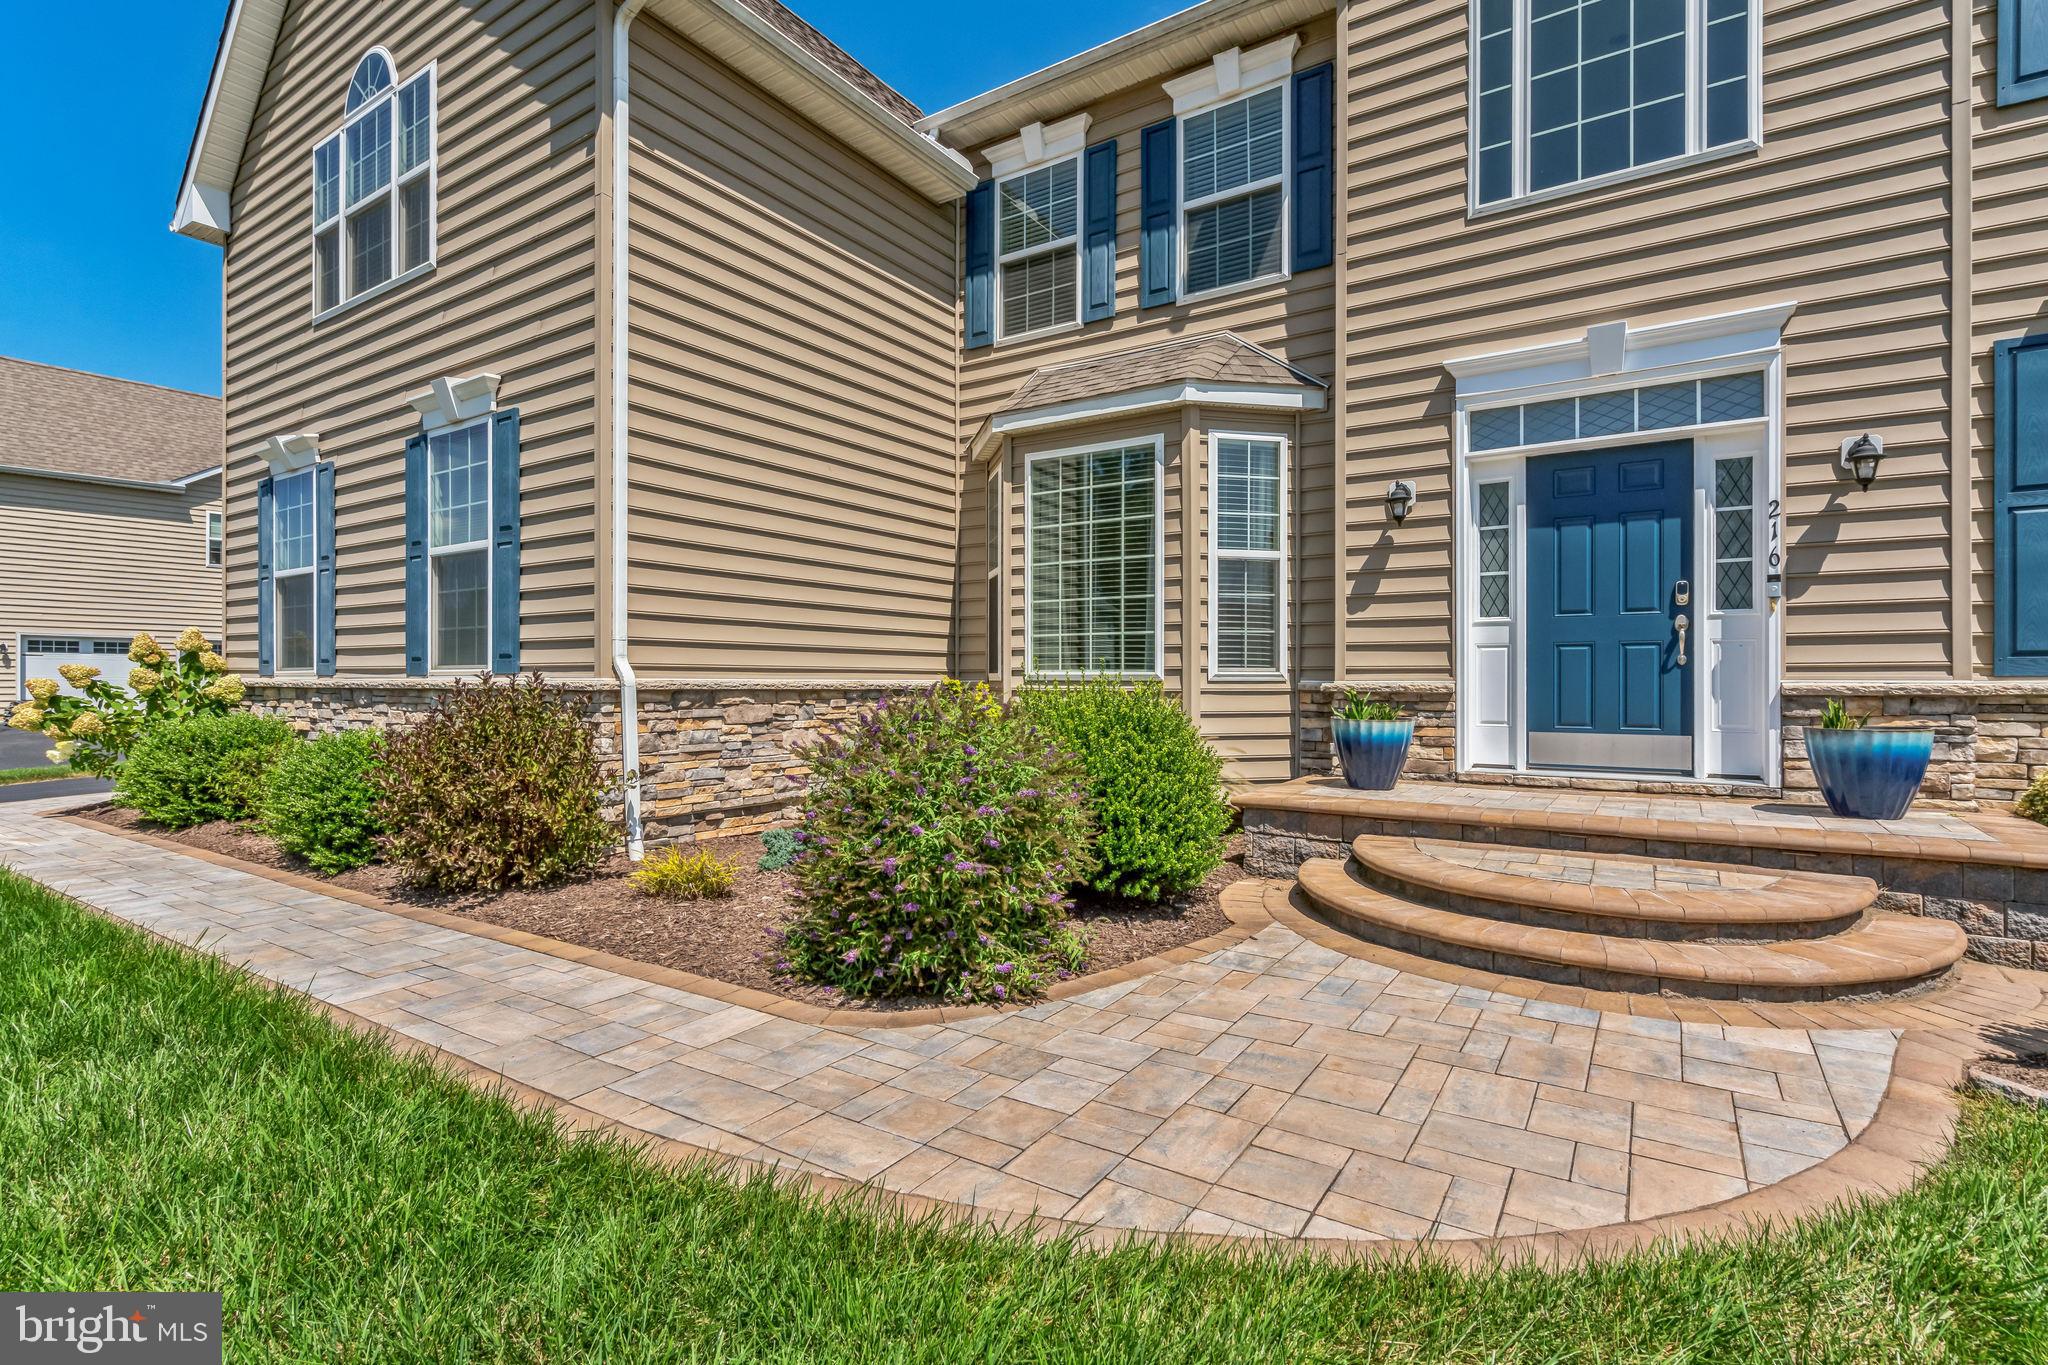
(1883, 954)
(1613, 892)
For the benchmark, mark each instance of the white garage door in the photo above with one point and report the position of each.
(42, 654)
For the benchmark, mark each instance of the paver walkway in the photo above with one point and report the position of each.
(1279, 1088)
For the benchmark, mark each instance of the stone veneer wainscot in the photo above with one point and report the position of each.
(718, 757)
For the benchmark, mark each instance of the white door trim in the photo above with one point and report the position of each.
(1744, 687)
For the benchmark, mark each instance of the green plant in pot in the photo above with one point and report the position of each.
(1866, 773)
(1372, 740)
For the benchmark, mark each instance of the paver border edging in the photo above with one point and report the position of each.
(1910, 1133)
(1246, 919)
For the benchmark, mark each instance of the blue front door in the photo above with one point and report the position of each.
(1610, 670)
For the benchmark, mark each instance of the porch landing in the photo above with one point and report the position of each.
(1985, 871)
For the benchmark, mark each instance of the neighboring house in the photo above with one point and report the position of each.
(110, 518)
(1513, 358)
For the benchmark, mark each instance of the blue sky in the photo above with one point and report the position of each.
(90, 275)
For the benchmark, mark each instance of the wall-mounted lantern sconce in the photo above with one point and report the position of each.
(1400, 497)
(1860, 456)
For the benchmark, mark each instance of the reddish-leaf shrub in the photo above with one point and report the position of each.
(497, 786)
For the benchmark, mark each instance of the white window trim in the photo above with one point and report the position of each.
(1044, 248)
(278, 576)
(216, 534)
(1696, 153)
(434, 664)
(430, 172)
(1278, 556)
(1158, 444)
(1186, 205)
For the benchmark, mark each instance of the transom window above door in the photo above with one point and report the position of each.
(1234, 191)
(373, 186)
(1574, 93)
(1092, 582)
(1038, 243)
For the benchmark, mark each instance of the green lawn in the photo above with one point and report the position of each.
(47, 774)
(166, 1125)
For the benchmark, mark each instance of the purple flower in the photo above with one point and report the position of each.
(968, 749)
(984, 811)
(1000, 992)
(850, 956)
(917, 830)
(910, 907)
(889, 865)
(990, 841)
(1028, 793)
(1005, 968)
(984, 939)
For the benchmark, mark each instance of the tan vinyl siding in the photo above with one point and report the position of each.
(2009, 294)
(794, 496)
(93, 559)
(1844, 211)
(512, 293)
(1292, 318)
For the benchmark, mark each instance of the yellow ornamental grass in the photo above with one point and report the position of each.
(78, 675)
(193, 640)
(27, 716)
(42, 689)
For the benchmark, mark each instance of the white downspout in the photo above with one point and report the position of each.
(629, 687)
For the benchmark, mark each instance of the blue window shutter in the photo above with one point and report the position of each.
(505, 541)
(1098, 258)
(2022, 50)
(323, 568)
(266, 605)
(1315, 164)
(416, 556)
(1159, 190)
(981, 266)
(2020, 507)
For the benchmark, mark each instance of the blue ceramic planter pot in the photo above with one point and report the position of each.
(1869, 774)
(1372, 751)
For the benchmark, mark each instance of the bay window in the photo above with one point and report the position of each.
(1093, 570)
(1247, 546)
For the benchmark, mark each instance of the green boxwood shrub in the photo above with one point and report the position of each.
(194, 769)
(2033, 802)
(320, 802)
(938, 837)
(1154, 784)
(497, 786)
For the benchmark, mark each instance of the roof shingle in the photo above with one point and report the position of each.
(1213, 357)
(793, 27)
(62, 421)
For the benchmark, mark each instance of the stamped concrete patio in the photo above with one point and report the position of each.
(1289, 1086)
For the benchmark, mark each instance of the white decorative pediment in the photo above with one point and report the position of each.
(449, 401)
(289, 454)
(1231, 73)
(1618, 349)
(1036, 143)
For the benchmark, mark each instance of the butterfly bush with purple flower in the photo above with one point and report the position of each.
(936, 844)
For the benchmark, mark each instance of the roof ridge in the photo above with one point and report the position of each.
(110, 378)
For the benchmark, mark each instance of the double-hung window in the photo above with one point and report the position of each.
(459, 546)
(1038, 240)
(1247, 544)
(1569, 93)
(291, 532)
(373, 186)
(1234, 192)
(1093, 575)
(216, 546)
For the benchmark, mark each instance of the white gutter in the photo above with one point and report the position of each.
(112, 480)
(629, 686)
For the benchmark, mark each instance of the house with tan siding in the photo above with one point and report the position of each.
(1608, 381)
(110, 519)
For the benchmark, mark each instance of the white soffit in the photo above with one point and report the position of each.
(449, 402)
(1036, 143)
(247, 39)
(1233, 71)
(1617, 348)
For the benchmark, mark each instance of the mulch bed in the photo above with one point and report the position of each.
(2031, 1070)
(726, 939)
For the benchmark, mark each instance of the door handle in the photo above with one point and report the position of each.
(1683, 625)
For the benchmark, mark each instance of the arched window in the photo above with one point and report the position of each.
(372, 78)
(373, 186)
